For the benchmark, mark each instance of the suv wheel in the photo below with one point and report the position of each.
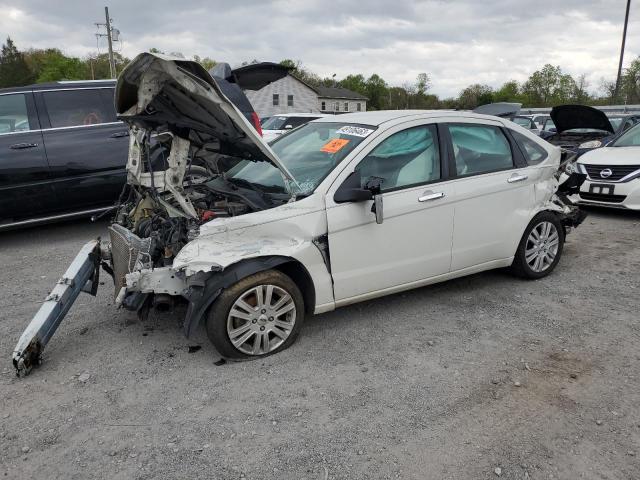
(260, 315)
(540, 248)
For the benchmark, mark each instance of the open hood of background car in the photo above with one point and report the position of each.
(570, 117)
(162, 93)
(499, 109)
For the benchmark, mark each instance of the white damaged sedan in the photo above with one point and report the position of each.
(341, 210)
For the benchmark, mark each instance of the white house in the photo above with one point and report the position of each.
(289, 94)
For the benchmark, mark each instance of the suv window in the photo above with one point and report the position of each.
(13, 113)
(410, 157)
(533, 153)
(71, 108)
(480, 149)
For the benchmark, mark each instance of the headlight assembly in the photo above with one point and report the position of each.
(591, 144)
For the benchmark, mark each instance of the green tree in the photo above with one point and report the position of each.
(54, 66)
(423, 83)
(475, 95)
(206, 62)
(377, 91)
(355, 83)
(508, 92)
(14, 70)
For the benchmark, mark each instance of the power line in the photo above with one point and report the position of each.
(624, 38)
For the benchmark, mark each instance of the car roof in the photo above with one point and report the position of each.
(309, 114)
(63, 84)
(378, 117)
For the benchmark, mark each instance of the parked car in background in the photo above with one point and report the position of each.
(577, 128)
(282, 123)
(62, 151)
(509, 111)
(525, 122)
(340, 210)
(613, 173)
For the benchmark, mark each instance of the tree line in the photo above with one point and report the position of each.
(545, 87)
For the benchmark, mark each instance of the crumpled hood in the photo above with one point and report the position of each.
(569, 117)
(162, 92)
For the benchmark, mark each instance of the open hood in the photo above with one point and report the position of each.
(499, 109)
(569, 117)
(162, 93)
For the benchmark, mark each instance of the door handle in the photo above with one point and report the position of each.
(517, 178)
(428, 196)
(20, 146)
(119, 134)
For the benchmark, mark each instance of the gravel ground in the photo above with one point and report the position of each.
(474, 378)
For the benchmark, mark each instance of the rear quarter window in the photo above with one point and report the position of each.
(72, 108)
(533, 153)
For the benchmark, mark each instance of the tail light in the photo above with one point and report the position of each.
(256, 122)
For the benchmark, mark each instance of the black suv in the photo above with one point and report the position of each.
(62, 151)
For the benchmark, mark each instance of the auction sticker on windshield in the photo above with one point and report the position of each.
(355, 131)
(333, 146)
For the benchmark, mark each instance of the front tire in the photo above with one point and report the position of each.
(540, 248)
(260, 315)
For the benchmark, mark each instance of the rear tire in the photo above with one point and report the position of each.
(540, 248)
(260, 315)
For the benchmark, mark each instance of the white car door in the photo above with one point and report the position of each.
(414, 240)
(495, 193)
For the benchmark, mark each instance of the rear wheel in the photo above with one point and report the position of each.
(258, 316)
(540, 247)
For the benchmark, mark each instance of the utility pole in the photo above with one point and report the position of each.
(112, 64)
(624, 38)
(112, 36)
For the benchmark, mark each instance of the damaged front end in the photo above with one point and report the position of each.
(185, 134)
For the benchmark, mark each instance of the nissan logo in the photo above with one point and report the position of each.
(606, 173)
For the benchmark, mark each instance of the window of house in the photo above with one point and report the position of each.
(533, 153)
(13, 113)
(410, 157)
(480, 149)
(337, 107)
(358, 107)
(290, 100)
(276, 99)
(346, 106)
(71, 108)
(323, 106)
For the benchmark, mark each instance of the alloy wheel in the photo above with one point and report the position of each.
(542, 246)
(261, 319)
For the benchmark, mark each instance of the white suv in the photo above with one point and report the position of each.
(341, 210)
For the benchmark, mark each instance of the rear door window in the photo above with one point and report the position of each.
(13, 113)
(479, 149)
(73, 108)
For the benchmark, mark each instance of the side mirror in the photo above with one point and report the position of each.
(351, 191)
(288, 127)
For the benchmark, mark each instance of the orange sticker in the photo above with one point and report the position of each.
(332, 146)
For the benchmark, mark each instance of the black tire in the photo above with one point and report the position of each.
(520, 266)
(218, 316)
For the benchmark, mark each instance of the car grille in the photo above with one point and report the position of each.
(617, 171)
(128, 253)
(602, 197)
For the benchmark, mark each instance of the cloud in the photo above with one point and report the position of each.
(457, 42)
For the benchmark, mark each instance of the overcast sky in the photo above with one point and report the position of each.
(457, 42)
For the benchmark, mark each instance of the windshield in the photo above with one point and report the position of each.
(522, 121)
(309, 153)
(615, 122)
(631, 138)
(274, 123)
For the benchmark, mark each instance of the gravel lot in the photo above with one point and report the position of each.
(472, 378)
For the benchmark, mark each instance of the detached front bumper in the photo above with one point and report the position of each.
(81, 276)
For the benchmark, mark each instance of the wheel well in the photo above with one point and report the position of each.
(296, 272)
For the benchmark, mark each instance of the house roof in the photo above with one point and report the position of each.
(338, 92)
